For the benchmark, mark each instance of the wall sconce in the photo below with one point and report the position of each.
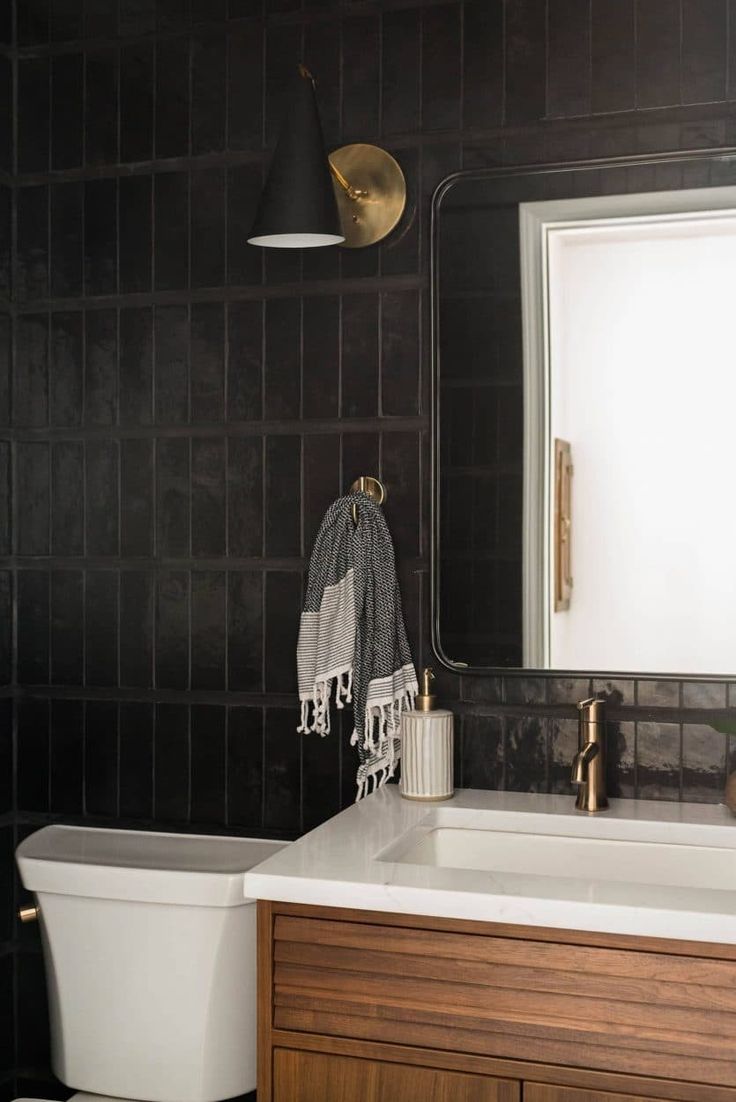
(354, 197)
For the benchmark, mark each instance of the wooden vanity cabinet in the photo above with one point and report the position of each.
(359, 1006)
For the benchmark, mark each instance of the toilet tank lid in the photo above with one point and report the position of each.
(193, 869)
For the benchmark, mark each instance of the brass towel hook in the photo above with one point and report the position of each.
(368, 485)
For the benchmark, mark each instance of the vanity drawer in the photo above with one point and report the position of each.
(618, 1010)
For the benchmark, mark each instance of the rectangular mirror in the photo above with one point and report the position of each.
(584, 398)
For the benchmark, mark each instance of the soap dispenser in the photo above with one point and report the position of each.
(426, 747)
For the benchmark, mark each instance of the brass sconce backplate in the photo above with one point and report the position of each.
(371, 206)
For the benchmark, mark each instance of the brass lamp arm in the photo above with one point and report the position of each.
(351, 192)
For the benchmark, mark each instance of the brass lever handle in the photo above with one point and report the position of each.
(28, 914)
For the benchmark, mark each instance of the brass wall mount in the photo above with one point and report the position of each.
(370, 190)
(367, 484)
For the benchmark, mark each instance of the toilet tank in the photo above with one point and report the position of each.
(150, 953)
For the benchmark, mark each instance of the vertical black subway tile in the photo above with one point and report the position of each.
(482, 63)
(101, 497)
(400, 71)
(209, 627)
(400, 353)
(207, 364)
(441, 76)
(32, 1044)
(321, 356)
(67, 627)
(33, 627)
(66, 110)
(172, 630)
(613, 55)
(320, 790)
(525, 68)
(136, 366)
(136, 102)
(101, 628)
(360, 455)
(172, 97)
(245, 86)
(32, 23)
(704, 50)
(171, 240)
(658, 761)
(282, 53)
(208, 227)
(32, 265)
(321, 481)
(283, 368)
(703, 763)
(245, 631)
(359, 355)
(136, 17)
(6, 233)
(6, 330)
(400, 469)
(6, 659)
(244, 261)
(6, 497)
(67, 503)
(136, 240)
(101, 758)
(100, 237)
(658, 53)
(569, 65)
(283, 495)
(33, 114)
(208, 92)
(482, 752)
(208, 496)
(136, 491)
(245, 361)
(31, 374)
(100, 18)
(361, 58)
(33, 490)
(33, 755)
(208, 11)
(101, 107)
(245, 496)
(171, 371)
(136, 628)
(66, 757)
(66, 20)
(171, 763)
(283, 602)
(245, 767)
(6, 25)
(526, 755)
(6, 116)
(101, 367)
(67, 214)
(172, 497)
(136, 760)
(208, 764)
(282, 771)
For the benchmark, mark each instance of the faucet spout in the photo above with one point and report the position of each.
(589, 764)
(581, 761)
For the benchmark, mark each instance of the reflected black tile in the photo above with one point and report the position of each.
(172, 97)
(101, 497)
(32, 482)
(207, 365)
(32, 265)
(66, 382)
(101, 107)
(526, 755)
(171, 243)
(245, 86)
(525, 70)
(321, 481)
(320, 787)
(282, 772)
(569, 60)
(101, 758)
(245, 631)
(136, 761)
(66, 757)
(400, 346)
(359, 364)
(283, 604)
(658, 747)
(208, 496)
(482, 752)
(67, 209)
(321, 356)
(136, 628)
(66, 20)
(33, 755)
(136, 242)
(67, 504)
(33, 114)
(208, 228)
(482, 63)
(32, 22)
(33, 1046)
(283, 495)
(100, 237)
(361, 77)
(208, 766)
(400, 71)
(613, 47)
(704, 49)
(441, 74)
(703, 694)
(136, 17)
(400, 469)
(101, 367)
(136, 491)
(101, 628)
(658, 53)
(282, 367)
(245, 767)
(244, 261)
(136, 366)
(67, 624)
(33, 627)
(172, 630)
(171, 763)
(6, 661)
(171, 372)
(208, 92)
(67, 110)
(208, 629)
(172, 497)
(245, 361)
(245, 496)
(31, 383)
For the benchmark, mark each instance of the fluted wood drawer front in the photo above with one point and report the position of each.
(314, 1077)
(632, 1011)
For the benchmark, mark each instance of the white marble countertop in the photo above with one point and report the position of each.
(534, 861)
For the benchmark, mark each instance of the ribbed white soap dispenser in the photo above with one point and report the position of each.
(426, 747)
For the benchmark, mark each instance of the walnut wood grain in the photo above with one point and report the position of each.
(543, 1092)
(264, 1000)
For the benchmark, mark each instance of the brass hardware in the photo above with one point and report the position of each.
(28, 914)
(370, 190)
(589, 764)
(368, 485)
(563, 525)
(425, 700)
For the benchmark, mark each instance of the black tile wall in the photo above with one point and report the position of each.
(181, 407)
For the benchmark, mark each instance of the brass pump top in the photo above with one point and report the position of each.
(425, 701)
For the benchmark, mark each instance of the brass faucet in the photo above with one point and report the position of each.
(589, 764)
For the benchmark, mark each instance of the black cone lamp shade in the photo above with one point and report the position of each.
(298, 208)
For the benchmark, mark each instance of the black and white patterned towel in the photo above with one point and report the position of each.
(352, 635)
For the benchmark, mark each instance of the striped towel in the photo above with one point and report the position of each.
(352, 636)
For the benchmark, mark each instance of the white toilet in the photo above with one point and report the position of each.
(150, 952)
